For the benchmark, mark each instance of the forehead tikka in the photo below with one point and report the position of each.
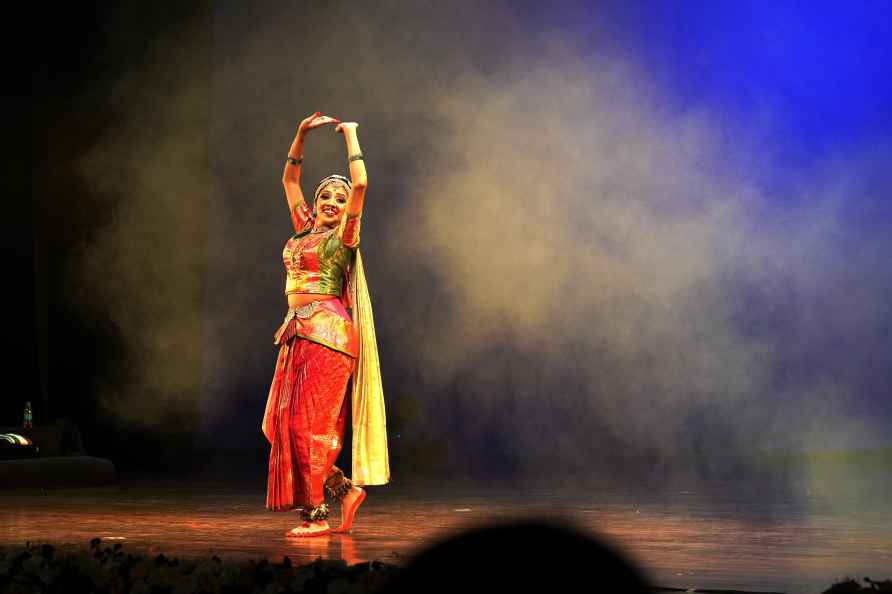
(332, 179)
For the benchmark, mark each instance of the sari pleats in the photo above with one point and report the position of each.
(304, 422)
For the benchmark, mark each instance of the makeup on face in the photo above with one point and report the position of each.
(331, 202)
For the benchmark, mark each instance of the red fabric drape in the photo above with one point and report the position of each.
(304, 422)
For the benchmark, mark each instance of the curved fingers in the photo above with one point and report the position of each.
(322, 121)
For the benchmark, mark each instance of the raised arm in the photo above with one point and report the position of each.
(357, 169)
(291, 176)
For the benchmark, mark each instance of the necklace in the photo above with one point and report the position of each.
(297, 259)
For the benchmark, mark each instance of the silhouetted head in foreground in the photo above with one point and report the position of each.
(520, 556)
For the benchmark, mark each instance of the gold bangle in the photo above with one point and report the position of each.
(294, 161)
(356, 157)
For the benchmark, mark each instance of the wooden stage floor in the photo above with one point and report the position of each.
(682, 539)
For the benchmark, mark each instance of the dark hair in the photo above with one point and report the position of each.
(334, 178)
(524, 555)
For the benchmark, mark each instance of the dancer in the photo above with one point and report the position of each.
(320, 345)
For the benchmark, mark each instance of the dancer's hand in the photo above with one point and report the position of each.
(314, 121)
(345, 125)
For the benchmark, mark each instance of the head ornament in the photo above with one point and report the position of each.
(332, 179)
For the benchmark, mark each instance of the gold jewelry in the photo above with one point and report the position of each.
(356, 157)
(337, 485)
(340, 179)
(294, 161)
(315, 514)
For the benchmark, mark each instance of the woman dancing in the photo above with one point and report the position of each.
(321, 344)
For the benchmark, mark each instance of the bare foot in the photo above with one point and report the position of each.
(310, 529)
(351, 502)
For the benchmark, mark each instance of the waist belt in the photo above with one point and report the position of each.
(325, 322)
(303, 312)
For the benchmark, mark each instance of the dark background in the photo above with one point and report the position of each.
(63, 342)
(151, 246)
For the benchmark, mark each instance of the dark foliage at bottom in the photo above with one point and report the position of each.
(44, 568)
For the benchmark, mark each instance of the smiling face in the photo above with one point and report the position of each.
(331, 205)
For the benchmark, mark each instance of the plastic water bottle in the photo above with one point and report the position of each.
(28, 420)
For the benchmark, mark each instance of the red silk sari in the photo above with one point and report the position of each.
(304, 422)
